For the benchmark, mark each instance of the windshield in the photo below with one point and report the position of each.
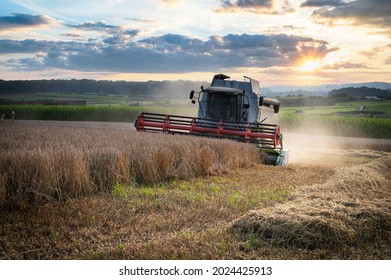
(222, 106)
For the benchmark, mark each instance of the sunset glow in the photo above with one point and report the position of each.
(309, 66)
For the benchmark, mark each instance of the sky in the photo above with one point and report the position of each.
(278, 42)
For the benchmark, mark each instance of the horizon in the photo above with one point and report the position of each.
(278, 42)
(322, 88)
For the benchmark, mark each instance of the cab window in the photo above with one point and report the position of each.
(222, 106)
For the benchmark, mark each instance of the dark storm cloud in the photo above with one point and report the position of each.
(375, 13)
(23, 20)
(168, 53)
(322, 3)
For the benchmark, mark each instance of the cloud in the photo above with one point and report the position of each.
(117, 34)
(255, 6)
(23, 21)
(248, 3)
(170, 1)
(375, 51)
(145, 20)
(169, 53)
(122, 38)
(96, 26)
(131, 32)
(28, 63)
(322, 3)
(72, 35)
(26, 46)
(345, 65)
(375, 13)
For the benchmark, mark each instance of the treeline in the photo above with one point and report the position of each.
(351, 92)
(335, 96)
(178, 88)
(171, 89)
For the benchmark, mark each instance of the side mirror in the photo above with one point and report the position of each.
(261, 101)
(276, 108)
(246, 106)
(191, 94)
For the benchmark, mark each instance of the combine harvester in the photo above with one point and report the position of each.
(227, 109)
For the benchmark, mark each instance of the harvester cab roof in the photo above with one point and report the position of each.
(227, 109)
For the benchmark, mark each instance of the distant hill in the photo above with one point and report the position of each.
(360, 92)
(379, 85)
(320, 90)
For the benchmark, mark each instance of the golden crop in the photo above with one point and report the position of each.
(59, 161)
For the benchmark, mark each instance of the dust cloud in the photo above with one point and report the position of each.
(320, 146)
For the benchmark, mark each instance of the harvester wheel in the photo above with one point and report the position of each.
(135, 123)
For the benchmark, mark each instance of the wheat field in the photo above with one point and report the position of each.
(352, 208)
(53, 161)
(70, 190)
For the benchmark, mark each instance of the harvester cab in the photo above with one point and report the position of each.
(227, 109)
(238, 101)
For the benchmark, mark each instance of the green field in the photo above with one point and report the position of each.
(97, 98)
(320, 119)
(336, 125)
(310, 120)
(87, 113)
(91, 98)
(375, 105)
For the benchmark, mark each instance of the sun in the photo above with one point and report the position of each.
(309, 66)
